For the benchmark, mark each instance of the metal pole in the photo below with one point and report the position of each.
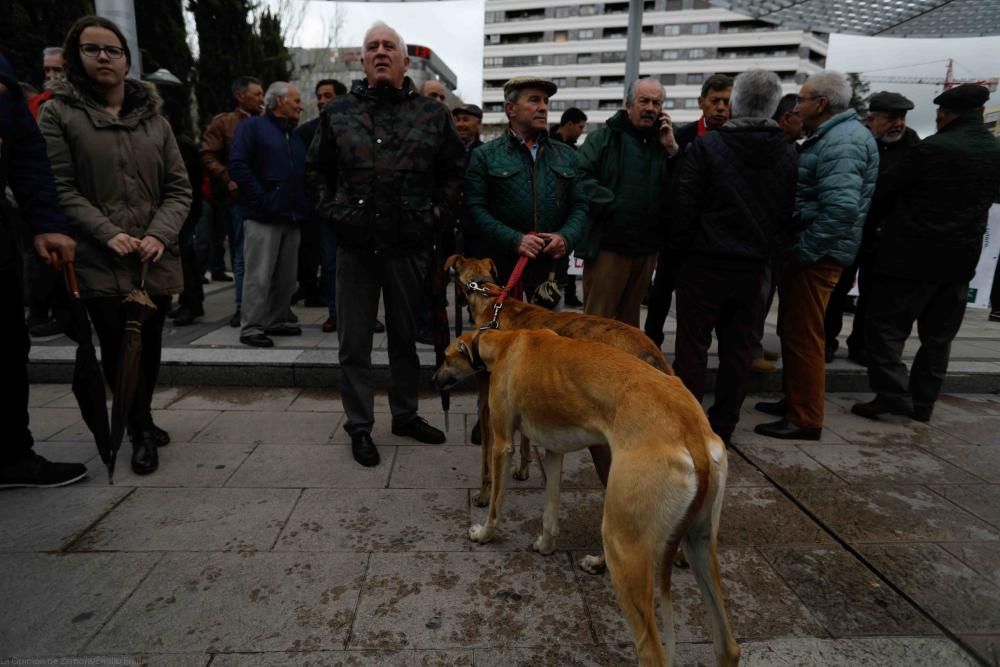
(122, 12)
(633, 43)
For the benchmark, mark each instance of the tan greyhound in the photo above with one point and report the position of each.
(668, 469)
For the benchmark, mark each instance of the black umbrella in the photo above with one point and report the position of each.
(88, 379)
(138, 308)
(440, 331)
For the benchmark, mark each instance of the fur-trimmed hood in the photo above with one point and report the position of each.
(142, 101)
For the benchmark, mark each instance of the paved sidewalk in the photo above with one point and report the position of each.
(260, 542)
(209, 352)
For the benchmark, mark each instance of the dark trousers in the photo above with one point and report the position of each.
(729, 301)
(535, 273)
(894, 305)
(995, 292)
(107, 314)
(220, 230)
(193, 295)
(768, 288)
(360, 279)
(309, 259)
(833, 321)
(660, 296)
(46, 290)
(328, 277)
(866, 273)
(15, 343)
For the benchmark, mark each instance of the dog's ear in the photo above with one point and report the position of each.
(452, 261)
(464, 349)
(493, 269)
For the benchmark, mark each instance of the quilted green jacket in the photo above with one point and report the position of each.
(508, 194)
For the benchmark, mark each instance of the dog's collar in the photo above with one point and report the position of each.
(477, 362)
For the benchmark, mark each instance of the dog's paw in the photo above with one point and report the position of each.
(592, 564)
(481, 534)
(521, 474)
(545, 544)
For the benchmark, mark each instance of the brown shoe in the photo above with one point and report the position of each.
(762, 366)
(330, 324)
(771, 355)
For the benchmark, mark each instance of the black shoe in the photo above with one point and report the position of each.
(829, 354)
(879, 406)
(776, 408)
(257, 340)
(418, 429)
(175, 310)
(291, 317)
(36, 472)
(45, 329)
(330, 325)
(379, 327)
(222, 277)
(186, 316)
(157, 436)
(205, 280)
(994, 316)
(921, 413)
(425, 337)
(786, 430)
(476, 437)
(572, 301)
(145, 459)
(284, 330)
(234, 321)
(364, 450)
(857, 357)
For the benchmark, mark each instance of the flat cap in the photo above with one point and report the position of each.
(963, 98)
(519, 82)
(886, 101)
(469, 109)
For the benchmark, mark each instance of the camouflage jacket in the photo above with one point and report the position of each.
(386, 167)
(508, 194)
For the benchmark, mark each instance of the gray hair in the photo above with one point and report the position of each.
(630, 97)
(380, 24)
(756, 94)
(52, 51)
(275, 91)
(834, 87)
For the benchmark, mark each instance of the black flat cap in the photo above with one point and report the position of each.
(963, 98)
(886, 101)
(469, 109)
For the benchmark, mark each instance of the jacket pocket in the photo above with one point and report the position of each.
(563, 177)
(349, 218)
(416, 221)
(509, 189)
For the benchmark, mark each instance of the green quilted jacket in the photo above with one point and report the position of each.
(508, 194)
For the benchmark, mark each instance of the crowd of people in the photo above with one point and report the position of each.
(765, 193)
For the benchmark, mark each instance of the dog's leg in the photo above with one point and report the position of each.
(482, 499)
(700, 545)
(522, 471)
(500, 468)
(632, 570)
(546, 542)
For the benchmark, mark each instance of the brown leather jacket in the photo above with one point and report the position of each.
(216, 141)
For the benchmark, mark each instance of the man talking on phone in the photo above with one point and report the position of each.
(624, 165)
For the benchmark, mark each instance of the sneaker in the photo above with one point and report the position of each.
(36, 472)
(418, 429)
(762, 366)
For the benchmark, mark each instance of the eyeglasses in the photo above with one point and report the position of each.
(94, 50)
(800, 99)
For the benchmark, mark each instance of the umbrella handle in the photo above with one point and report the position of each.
(142, 276)
(71, 285)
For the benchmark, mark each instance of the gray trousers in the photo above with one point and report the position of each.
(401, 281)
(270, 255)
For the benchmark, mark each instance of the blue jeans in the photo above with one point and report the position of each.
(236, 252)
(328, 261)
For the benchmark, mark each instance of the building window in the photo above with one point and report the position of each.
(493, 107)
(616, 8)
(494, 83)
(699, 28)
(649, 5)
(561, 82)
(588, 10)
(610, 104)
(669, 103)
(557, 105)
(584, 58)
(492, 39)
(562, 59)
(671, 54)
(612, 81)
(584, 82)
(564, 12)
(613, 57)
(694, 79)
(646, 30)
(691, 103)
(560, 36)
(701, 4)
(492, 62)
(584, 105)
(675, 5)
(615, 33)
(668, 79)
(695, 54)
(585, 34)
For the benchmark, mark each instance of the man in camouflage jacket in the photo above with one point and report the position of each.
(387, 167)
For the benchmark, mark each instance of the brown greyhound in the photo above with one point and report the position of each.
(520, 315)
(668, 469)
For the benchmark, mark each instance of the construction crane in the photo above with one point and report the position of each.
(949, 81)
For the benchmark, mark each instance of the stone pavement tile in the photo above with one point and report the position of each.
(45, 423)
(984, 557)
(49, 519)
(224, 602)
(856, 652)
(463, 600)
(428, 658)
(54, 603)
(194, 520)
(759, 604)
(182, 464)
(139, 660)
(393, 520)
(979, 430)
(450, 467)
(886, 430)
(743, 473)
(49, 394)
(893, 514)
(166, 395)
(301, 428)
(317, 399)
(580, 513)
(987, 646)
(257, 399)
(578, 471)
(983, 500)
(846, 597)
(182, 425)
(980, 460)
(601, 655)
(889, 464)
(787, 465)
(762, 516)
(382, 431)
(950, 591)
(68, 452)
(305, 466)
(969, 404)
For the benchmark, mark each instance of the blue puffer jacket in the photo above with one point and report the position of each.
(838, 167)
(267, 160)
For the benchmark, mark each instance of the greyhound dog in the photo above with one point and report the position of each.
(668, 469)
(477, 277)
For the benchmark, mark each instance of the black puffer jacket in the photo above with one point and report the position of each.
(942, 199)
(735, 193)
